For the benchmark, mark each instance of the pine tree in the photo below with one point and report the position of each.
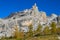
(46, 30)
(21, 35)
(58, 31)
(53, 27)
(18, 34)
(39, 28)
(30, 32)
(38, 31)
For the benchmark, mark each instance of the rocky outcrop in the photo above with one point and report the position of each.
(23, 19)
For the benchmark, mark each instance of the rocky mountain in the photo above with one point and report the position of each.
(24, 18)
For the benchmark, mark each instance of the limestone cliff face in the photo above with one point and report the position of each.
(44, 16)
(23, 19)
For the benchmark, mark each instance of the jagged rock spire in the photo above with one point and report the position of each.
(35, 4)
(35, 10)
(34, 7)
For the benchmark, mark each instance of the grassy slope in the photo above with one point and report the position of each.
(44, 37)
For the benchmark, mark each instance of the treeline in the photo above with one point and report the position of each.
(48, 30)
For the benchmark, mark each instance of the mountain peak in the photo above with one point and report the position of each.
(35, 4)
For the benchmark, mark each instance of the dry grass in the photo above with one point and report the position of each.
(44, 37)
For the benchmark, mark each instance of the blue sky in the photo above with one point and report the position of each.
(8, 6)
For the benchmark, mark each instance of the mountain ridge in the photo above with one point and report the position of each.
(24, 18)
